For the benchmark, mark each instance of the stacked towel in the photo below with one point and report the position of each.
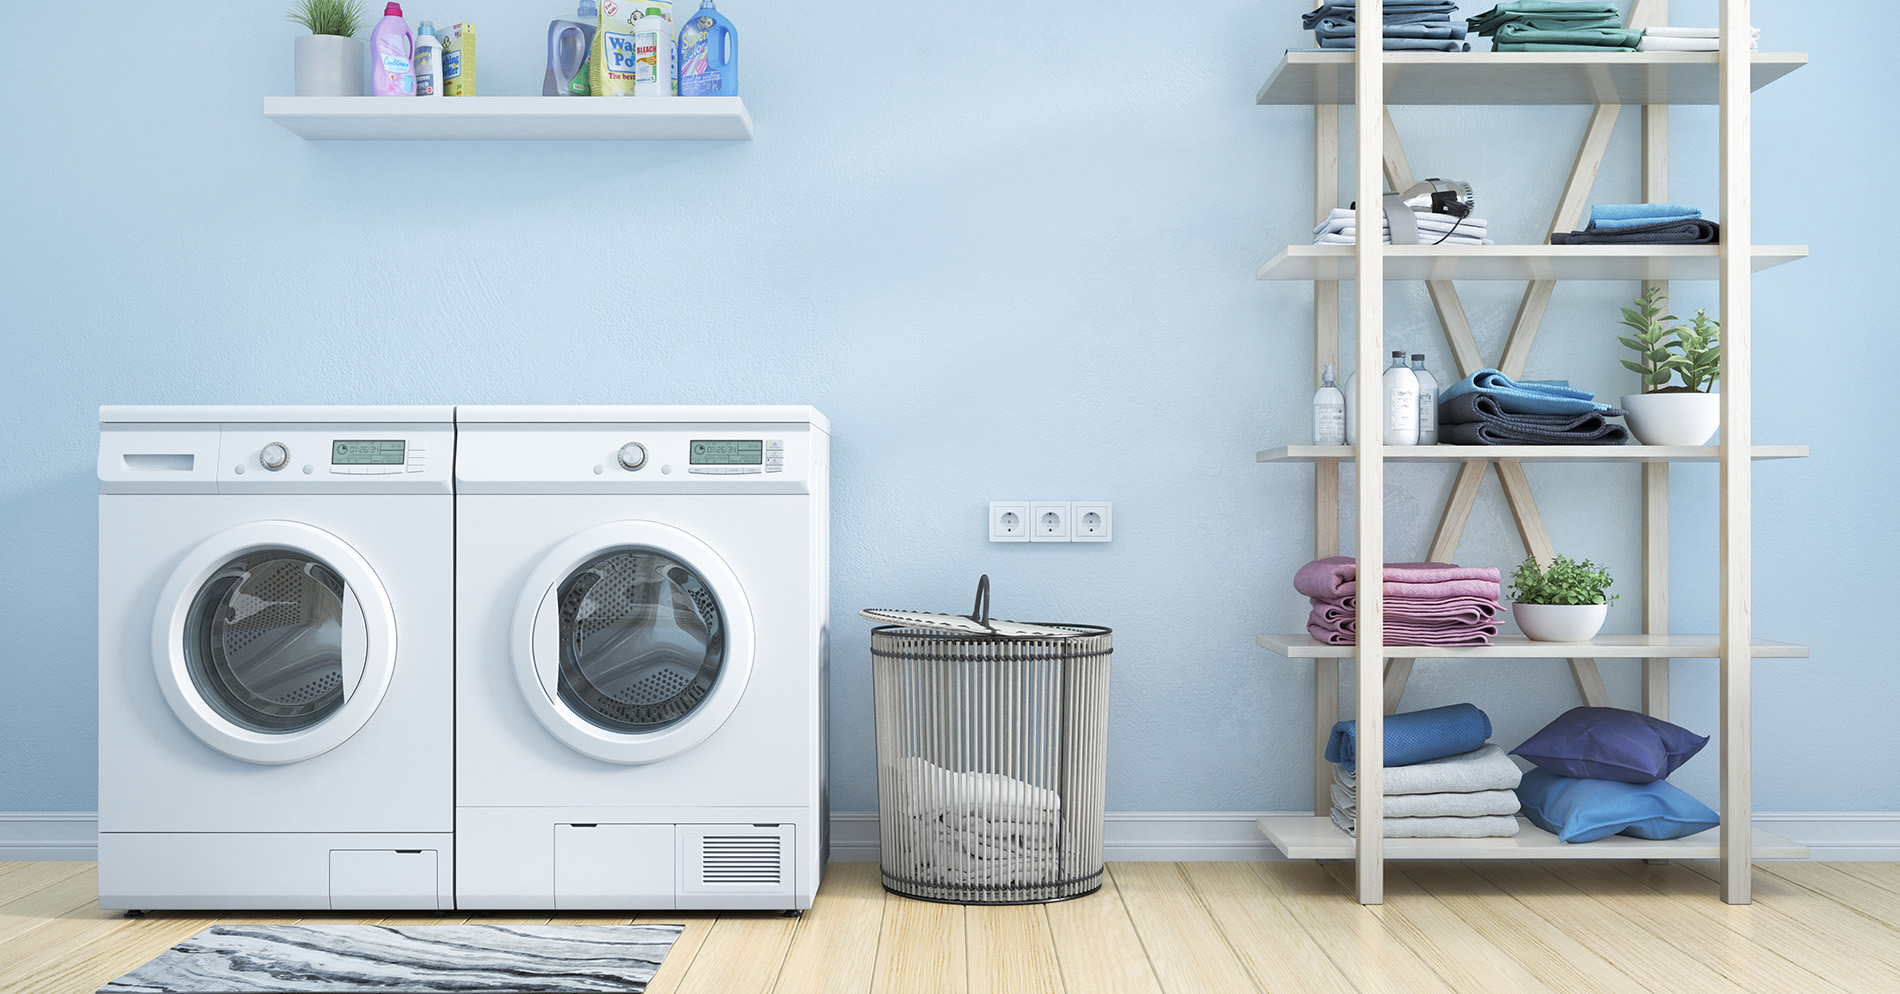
(1489, 408)
(1341, 227)
(1690, 40)
(1642, 224)
(1468, 794)
(977, 828)
(1425, 603)
(1410, 25)
(1556, 26)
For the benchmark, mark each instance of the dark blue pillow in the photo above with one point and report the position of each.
(1611, 744)
(1588, 810)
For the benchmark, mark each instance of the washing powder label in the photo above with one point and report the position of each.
(451, 65)
(646, 57)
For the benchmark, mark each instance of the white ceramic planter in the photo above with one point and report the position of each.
(329, 66)
(1673, 418)
(1560, 622)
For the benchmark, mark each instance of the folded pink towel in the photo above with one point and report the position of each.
(1411, 635)
(1472, 609)
(1337, 576)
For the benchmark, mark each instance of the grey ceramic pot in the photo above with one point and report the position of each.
(329, 66)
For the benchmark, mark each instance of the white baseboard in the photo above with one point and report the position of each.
(1132, 836)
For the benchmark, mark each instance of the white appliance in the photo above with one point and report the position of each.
(276, 637)
(641, 640)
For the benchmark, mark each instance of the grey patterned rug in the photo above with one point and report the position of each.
(412, 959)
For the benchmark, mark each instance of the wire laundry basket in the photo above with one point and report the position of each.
(992, 756)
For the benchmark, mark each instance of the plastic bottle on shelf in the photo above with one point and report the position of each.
(428, 61)
(1329, 412)
(1401, 403)
(708, 54)
(656, 52)
(392, 53)
(1427, 401)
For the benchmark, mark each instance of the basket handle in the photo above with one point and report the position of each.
(980, 611)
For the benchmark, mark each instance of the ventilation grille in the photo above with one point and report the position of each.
(740, 860)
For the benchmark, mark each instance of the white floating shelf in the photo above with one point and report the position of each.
(1500, 78)
(1304, 646)
(1521, 262)
(1308, 837)
(512, 118)
(1526, 453)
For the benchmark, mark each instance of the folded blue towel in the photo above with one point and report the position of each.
(1630, 215)
(1415, 737)
(1525, 396)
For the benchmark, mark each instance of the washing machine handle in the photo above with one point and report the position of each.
(547, 644)
(355, 643)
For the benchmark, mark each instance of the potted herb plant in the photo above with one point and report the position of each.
(1566, 601)
(1678, 405)
(329, 58)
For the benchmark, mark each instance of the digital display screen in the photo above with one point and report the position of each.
(356, 452)
(728, 453)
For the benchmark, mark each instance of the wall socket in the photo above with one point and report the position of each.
(1009, 521)
(1091, 521)
(1051, 521)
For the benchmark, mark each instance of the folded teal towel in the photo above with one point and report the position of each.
(1632, 215)
(1525, 396)
(1415, 737)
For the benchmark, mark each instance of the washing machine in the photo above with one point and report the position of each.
(276, 669)
(641, 643)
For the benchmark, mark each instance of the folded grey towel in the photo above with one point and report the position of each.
(1475, 804)
(1479, 419)
(1691, 231)
(1485, 768)
(1487, 827)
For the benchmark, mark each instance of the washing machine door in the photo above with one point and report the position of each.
(633, 642)
(274, 642)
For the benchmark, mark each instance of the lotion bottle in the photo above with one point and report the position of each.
(1329, 412)
(1427, 401)
(428, 61)
(1401, 403)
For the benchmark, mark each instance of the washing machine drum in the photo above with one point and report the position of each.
(264, 641)
(642, 641)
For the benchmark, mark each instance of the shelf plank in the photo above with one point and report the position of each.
(1305, 78)
(1519, 263)
(1304, 646)
(1526, 453)
(512, 118)
(1310, 837)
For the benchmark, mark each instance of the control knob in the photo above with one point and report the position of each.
(275, 456)
(633, 455)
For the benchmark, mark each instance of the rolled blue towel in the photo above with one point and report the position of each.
(1415, 737)
(1525, 396)
(1631, 215)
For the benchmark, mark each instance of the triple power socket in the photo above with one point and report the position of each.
(1051, 521)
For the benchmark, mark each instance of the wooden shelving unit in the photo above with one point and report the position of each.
(1372, 79)
(511, 118)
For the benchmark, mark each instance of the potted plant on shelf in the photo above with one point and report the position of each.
(329, 58)
(1666, 413)
(1566, 601)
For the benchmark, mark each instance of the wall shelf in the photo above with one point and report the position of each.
(1304, 646)
(1310, 837)
(1507, 78)
(1526, 453)
(1521, 262)
(512, 118)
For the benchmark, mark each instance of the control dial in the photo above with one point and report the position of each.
(275, 456)
(633, 455)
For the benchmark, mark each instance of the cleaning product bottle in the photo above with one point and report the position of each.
(1329, 412)
(1401, 403)
(428, 61)
(1427, 401)
(570, 53)
(656, 50)
(709, 54)
(392, 51)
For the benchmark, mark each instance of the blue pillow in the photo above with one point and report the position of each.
(1587, 810)
(1611, 744)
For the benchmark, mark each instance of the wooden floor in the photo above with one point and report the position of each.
(1175, 928)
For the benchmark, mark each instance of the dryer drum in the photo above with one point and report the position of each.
(642, 641)
(264, 641)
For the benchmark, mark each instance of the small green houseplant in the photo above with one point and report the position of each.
(329, 58)
(1566, 601)
(1678, 366)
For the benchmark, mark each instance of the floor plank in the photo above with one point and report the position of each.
(1357, 942)
(85, 968)
(20, 879)
(1463, 956)
(1011, 951)
(694, 927)
(1848, 922)
(34, 909)
(741, 955)
(1097, 947)
(1847, 888)
(1187, 951)
(923, 949)
(834, 950)
(72, 939)
(1269, 938)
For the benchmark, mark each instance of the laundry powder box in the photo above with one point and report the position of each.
(458, 61)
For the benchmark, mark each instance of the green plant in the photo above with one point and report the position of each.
(1694, 354)
(329, 17)
(1565, 581)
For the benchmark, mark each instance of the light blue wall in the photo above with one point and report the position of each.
(1015, 271)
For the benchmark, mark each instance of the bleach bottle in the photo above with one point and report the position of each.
(392, 50)
(709, 54)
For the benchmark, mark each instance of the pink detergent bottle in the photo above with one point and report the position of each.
(392, 52)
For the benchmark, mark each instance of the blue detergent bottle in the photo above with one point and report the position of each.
(709, 54)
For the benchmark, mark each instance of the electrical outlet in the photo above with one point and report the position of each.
(1009, 521)
(1092, 521)
(1049, 521)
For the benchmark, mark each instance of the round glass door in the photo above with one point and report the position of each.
(264, 641)
(642, 641)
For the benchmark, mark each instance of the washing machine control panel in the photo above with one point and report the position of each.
(379, 458)
(764, 458)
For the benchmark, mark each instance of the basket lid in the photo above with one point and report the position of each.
(977, 623)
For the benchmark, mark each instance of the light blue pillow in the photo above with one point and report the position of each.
(1578, 810)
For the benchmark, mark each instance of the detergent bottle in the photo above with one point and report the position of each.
(570, 53)
(428, 61)
(392, 51)
(709, 54)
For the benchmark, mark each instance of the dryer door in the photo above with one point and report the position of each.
(633, 642)
(274, 642)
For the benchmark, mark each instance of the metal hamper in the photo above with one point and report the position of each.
(992, 756)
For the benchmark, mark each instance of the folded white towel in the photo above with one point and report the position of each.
(1484, 768)
(1342, 218)
(929, 789)
(1675, 32)
(1475, 804)
(1487, 827)
(1458, 239)
(1648, 44)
